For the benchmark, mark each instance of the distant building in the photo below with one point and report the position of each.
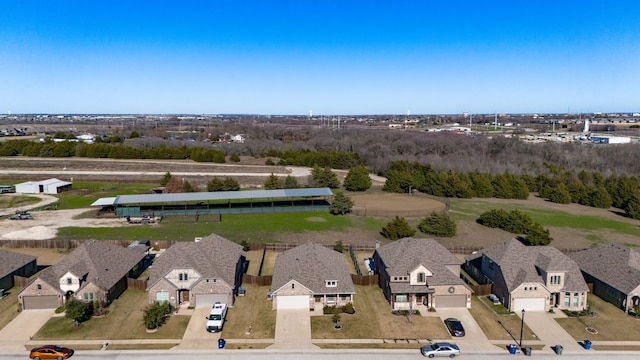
(49, 186)
(610, 139)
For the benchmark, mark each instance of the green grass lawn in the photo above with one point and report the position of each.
(612, 323)
(124, 321)
(373, 320)
(253, 228)
(470, 210)
(17, 201)
(251, 312)
(84, 194)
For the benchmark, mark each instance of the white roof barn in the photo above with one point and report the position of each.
(49, 186)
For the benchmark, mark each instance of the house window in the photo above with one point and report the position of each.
(490, 264)
(69, 281)
(566, 301)
(575, 301)
(421, 277)
(555, 280)
(183, 276)
(293, 286)
(331, 283)
(162, 297)
(39, 286)
(395, 278)
(86, 297)
(401, 298)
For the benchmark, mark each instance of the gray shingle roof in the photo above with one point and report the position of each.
(212, 257)
(310, 265)
(614, 264)
(11, 261)
(519, 263)
(100, 262)
(404, 255)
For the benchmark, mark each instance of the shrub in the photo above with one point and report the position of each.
(156, 314)
(339, 247)
(348, 308)
(78, 311)
(397, 228)
(405, 312)
(438, 224)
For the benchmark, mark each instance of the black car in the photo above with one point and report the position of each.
(454, 326)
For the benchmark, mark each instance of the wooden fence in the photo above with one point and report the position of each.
(481, 290)
(72, 244)
(257, 280)
(137, 284)
(367, 280)
(20, 281)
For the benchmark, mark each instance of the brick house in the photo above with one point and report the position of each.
(94, 271)
(531, 278)
(311, 276)
(198, 273)
(420, 273)
(614, 271)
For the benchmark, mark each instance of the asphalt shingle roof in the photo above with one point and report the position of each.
(11, 261)
(404, 255)
(311, 264)
(99, 262)
(614, 264)
(212, 257)
(519, 264)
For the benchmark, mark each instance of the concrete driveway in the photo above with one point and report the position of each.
(549, 331)
(22, 328)
(474, 337)
(293, 330)
(196, 336)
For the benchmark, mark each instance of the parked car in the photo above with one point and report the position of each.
(50, 352)
(21, 215)
(454, 326)
(440, 349)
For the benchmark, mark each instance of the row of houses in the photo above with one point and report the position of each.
(413, 274)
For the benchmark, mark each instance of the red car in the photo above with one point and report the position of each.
(50, 352)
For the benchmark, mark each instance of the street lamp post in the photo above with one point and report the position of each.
(521, 327)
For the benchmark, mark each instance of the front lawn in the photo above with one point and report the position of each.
(611, 323)
(124, 321)
(9, 306)
(251, 316)
(495, 326)
(373, 320)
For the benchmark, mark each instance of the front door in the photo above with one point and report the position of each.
(185, 296)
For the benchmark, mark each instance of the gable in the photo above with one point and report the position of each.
(292, 287)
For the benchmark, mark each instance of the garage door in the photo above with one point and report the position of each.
(40, 302)
(293, 302)
(528, 304)
(451, 301)
(207, 300)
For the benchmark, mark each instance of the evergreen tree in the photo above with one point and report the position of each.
(438, 224)
(77, 311)
(560, 195)
(215, 184)
(272, 182)
(230, 184)
(324, 177)
(290, 182)
(357, 179)
(165, 179)
(341, 204)
(188, 187)
(397, 228)
(173, 186)
(633, 206)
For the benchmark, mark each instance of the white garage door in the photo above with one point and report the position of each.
(207, 300)
(293, 302)
(528, 304)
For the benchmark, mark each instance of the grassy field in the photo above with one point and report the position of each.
(9, 306)
(269, 262)
(255, 258)
(17, 201)
(251, 316)
(124, 321)
(84, 194)
(611, 323)
(373, 320)
(495, 326)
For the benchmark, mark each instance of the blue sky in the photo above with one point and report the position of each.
(332, 57)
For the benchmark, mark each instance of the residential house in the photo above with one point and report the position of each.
(311, 276)
(417, 274)
(531, 278)
(15, 263)
(614, 271)
(198, 273)
(94, 271)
